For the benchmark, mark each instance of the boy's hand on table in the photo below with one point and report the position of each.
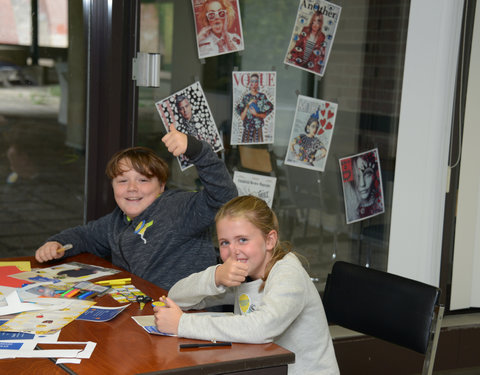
(48, 251)
(167, 317)
(175, 141)
(231, 272)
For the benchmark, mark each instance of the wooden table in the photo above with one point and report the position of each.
(123, 347)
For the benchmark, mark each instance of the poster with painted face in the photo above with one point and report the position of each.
(313, 35)
(311, 133)
(218, 27)
(188, 110)
(362, 186)
(253, 119)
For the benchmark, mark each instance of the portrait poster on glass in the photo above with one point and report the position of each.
(260, 186)
(311, 133)
(362, 186)
(253, 119)
(313, 35)
(189, 112)
(218, 27)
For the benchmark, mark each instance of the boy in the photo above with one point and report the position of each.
(160, 235)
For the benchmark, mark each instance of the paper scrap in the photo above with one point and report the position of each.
(147, 322)
(29, 350)
(21, 265)
(15, 306)
(55, 313)
(101, 314)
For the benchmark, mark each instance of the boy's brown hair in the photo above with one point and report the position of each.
(142, 159)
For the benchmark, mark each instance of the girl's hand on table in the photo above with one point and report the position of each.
(167, 317)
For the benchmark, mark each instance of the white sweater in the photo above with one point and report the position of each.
(288, 312)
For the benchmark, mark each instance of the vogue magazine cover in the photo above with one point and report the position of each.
(218, 27)
(253, 119)
(311, 133)
(362, 186)
(189, 111)
(313, 35)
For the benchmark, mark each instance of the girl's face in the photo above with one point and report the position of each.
(254, 83)
(216, 16)
(239, 238)
(133, 191)
(317, 23)
(312, 128)
(364, 176)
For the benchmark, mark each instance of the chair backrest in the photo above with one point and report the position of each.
(383, 305)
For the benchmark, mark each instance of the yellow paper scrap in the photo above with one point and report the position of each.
(21, 265)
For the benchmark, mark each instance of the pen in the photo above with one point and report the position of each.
(115, 281)
(64, 248)
(66, 292)
(74, 292)
(209, 345)
(85, 294)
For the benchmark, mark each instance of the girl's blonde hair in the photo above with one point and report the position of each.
(257, 212)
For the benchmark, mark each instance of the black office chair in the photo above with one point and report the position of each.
(386, 306)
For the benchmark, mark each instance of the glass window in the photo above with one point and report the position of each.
(363, 76)
(16, 22)
(42, 125)
(53, 23)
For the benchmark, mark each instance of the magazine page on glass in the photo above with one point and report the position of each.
(362, 186)
(253, 119)
(311, 134)
(218, 27)
(260, 186)
(313, 35)
(188, 110)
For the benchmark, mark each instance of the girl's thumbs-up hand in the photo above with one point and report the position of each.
(231, 272)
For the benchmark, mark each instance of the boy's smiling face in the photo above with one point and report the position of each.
(133, 191)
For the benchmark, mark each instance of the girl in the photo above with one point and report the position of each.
(274, 299)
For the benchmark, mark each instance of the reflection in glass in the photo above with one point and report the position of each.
(42, 124)
(364, 78)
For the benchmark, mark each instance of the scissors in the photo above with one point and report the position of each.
(142, 300)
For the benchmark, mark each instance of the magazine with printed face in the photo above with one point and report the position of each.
(253, 119)
(313, 35)
(311, 133)
(218, 27)
(189, 112)
(362, 186)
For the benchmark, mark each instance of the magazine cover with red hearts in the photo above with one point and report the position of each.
(311, 133)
